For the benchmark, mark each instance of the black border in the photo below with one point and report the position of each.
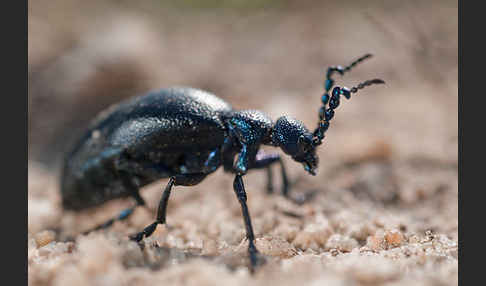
(471, 143)
(14, 140)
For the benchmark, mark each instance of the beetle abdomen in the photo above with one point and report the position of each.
(144, 138)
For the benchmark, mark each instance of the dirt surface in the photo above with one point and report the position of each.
(384, 210)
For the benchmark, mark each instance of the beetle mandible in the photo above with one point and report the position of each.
(185, 134)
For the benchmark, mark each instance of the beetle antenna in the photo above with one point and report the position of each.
(329, 82)
(326, 114)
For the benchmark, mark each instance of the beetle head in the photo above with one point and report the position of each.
(295, 140)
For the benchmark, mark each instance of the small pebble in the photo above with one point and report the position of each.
(44, 237)
(341, 243)
(394, 238)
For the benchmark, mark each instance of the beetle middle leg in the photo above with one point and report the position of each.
(161, 212)
(182, 180)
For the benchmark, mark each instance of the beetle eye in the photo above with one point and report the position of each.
(305, 143)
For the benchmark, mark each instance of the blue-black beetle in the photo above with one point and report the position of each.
(185, 134)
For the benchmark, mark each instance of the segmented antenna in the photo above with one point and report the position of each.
(333, 69)
(326, 114)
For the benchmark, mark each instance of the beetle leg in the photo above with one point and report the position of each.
(265, 160)
(269, 180)
(228, 161)
(181, 180)
(161, 211)
(213, 161)
(133, 189)
(239, 189)
(122, 216)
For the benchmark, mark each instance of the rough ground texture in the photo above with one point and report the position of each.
(385, 205)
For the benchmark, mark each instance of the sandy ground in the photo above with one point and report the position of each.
(385, 205)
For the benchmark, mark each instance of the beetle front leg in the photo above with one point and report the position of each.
(255, 258)
(265, 160)
(245, 158)
(241, 164)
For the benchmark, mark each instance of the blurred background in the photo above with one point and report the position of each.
(270, 55)
(390, 154)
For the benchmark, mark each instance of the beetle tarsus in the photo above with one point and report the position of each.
(137, 237)
(256, 258)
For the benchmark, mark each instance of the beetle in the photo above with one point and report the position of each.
(185, 134)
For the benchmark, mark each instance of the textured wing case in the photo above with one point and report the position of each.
(144, 138)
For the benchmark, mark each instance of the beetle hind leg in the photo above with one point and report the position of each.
(120, 217)
(123, 215)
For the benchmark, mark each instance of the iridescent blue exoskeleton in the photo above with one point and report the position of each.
(185, 134)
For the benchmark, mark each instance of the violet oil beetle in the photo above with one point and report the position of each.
(185, 134)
